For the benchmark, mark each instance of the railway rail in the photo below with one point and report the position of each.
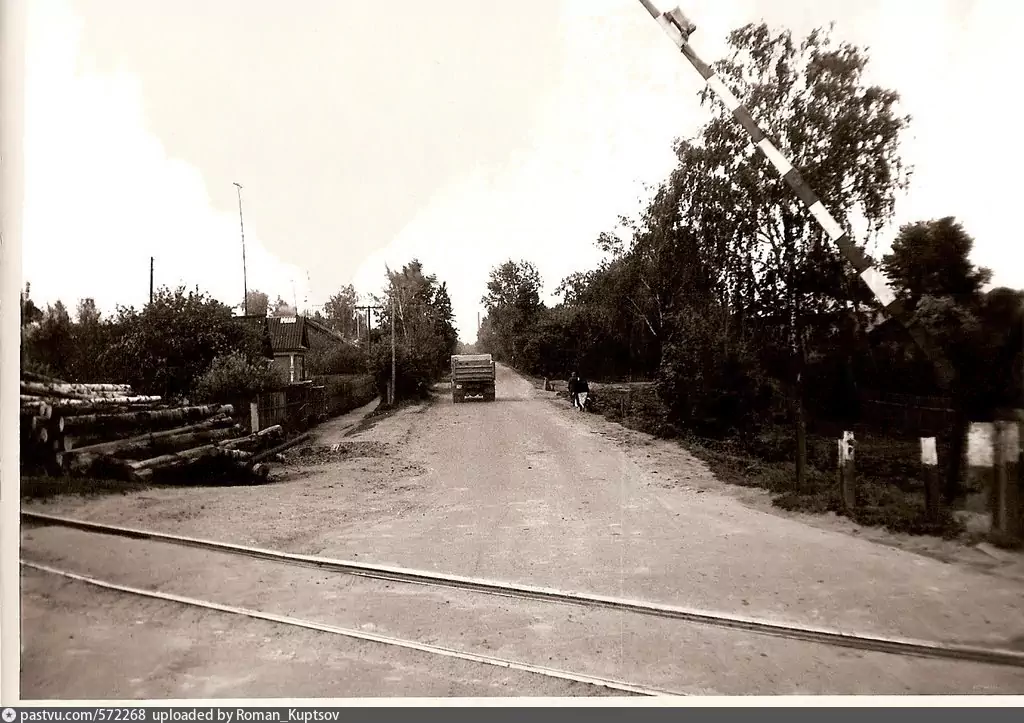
(835, 638)
(596, 681)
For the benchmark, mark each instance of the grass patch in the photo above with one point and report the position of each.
(890, 493)
(39, 488)
(1004, 541)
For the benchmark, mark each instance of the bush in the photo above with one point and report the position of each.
(336, 359)
(167, 346)
(416, 373)
(711, 384)
(232, 376)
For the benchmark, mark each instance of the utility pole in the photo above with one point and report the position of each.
(150, 279)
(367, 310)
(245, 280)
(394, 381)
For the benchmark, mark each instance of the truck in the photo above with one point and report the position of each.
(472, 376)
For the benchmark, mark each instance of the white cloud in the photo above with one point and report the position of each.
(102, 196)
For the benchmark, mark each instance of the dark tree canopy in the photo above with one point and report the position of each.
(425, 332)
(931, 258)
(513, 304)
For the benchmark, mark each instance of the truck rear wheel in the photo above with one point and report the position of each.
(489, 394)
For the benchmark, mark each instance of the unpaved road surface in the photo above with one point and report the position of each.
(524, 490)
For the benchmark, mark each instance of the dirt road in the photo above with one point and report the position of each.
(523, 489)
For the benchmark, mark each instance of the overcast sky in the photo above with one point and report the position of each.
(462, 132)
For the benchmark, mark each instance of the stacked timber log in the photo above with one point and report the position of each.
(107, 428)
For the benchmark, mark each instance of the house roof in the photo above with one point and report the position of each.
(288, 333)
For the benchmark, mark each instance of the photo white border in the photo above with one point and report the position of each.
(13, 31)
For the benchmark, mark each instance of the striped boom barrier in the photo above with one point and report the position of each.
(678, 27)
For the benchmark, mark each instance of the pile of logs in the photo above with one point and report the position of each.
(88, 428)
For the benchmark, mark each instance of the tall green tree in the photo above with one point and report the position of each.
(424, 326)
(772, 261)
(87, 312)
(932, 258)
(30, 313)
(513, 304)
(340, 312)
(49, 344)
(256, 303)
(931, 270)
(443, 320)
(92, 336)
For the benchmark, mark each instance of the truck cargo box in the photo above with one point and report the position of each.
(472, 375)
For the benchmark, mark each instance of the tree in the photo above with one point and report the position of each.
(338, 358)
(234, 376)
(716, 387)
(485, 341)
(92, 336)
(256, 303)
(1002, 329)
(166, 347)
(30, 313)
(87, 313)
(513, 304)
(49, 345)
(425, 332)
(443, 319)
(769, 256)
(930, 268)
(931, 258)
(282, 308)
(340, 310)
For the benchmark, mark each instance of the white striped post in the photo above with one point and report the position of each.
(846, 473)
(678, 27)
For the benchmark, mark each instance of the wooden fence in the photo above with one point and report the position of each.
(906, 415)
(303, 404)
(345, 392)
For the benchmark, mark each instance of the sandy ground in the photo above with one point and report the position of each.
(522, 490)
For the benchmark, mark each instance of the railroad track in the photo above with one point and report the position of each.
(596, 681)
(857, 641)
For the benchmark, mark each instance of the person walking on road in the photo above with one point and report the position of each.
(573, 390)
(582, 392)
